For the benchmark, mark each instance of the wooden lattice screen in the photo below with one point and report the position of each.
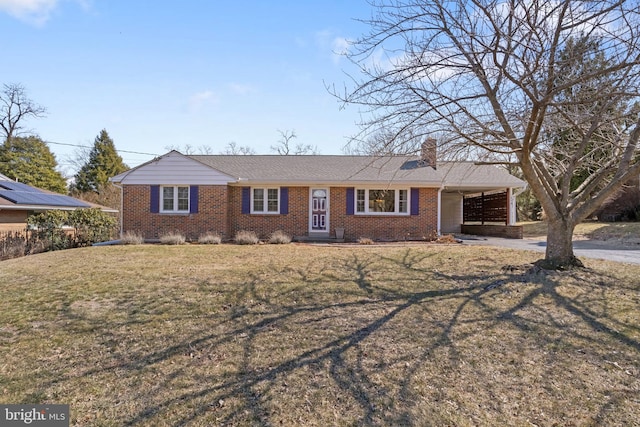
(486, 208)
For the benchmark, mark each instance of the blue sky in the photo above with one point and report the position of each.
(171, 73)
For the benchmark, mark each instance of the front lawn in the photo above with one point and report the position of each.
(382, 335)
(611, 231)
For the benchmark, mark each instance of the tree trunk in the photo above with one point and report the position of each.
(559, 254)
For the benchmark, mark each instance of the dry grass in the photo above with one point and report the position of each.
(365, 241)
(173, 238)
(379, 335)
(244, 237)
(279, 237)
(210, 239)
(588, 230)
(132, 238)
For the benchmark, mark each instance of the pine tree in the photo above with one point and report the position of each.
(103, 163)
(29, 160)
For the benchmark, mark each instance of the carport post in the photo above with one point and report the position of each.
(508, 201)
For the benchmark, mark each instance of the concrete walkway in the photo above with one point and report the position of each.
(581, 248)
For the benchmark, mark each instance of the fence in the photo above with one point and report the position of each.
(486, 208)
(16, 243)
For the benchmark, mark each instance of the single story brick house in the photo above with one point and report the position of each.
(308, 196)
(19, 200)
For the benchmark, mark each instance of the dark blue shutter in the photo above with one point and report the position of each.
(415, 201)
(350, 200)
(193, 199)
(246, 200)
(154, 197)
(284, 200)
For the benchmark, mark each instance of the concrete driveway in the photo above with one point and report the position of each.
(581, 248)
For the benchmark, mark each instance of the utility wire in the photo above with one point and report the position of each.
(87, 146)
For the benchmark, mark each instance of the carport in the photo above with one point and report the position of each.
(483, 213)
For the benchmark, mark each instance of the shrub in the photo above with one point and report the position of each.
(48, 228)
(365, 241)
(279, 237)
(447, 238)
(132, 238)
(244, 237)
(173, 238)
(210, 239)
(89, 226)
(13, 244)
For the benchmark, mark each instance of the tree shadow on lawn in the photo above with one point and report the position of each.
(397, 343)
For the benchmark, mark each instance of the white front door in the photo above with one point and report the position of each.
(319, 211)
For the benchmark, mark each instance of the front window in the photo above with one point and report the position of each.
(378, 201)
(175, 199)
(265, 200)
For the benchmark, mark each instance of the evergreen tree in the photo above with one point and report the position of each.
(103, 163)
(29, 160)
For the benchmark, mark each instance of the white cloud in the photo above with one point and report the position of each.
(36, 12)
(327, 40)
(240, 89)
(340, 47)
(33, 11)
(199, 100)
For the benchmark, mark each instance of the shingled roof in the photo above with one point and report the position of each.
(347, 170)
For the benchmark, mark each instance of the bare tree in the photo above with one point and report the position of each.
(496, 77)
(189, 149)
(233, 148)
(15, 107)
(285, 146)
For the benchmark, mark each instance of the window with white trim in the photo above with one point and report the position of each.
(265, 200)
(382, 202)
(174, 199)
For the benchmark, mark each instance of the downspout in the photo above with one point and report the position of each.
(439, 228)
(121, 207)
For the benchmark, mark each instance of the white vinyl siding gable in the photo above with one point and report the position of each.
(176, 168)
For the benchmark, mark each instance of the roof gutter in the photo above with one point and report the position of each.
(245, 182)
(44, 207)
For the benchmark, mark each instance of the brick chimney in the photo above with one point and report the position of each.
(428, 153)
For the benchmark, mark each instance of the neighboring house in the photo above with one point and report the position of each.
(18, 201)
(315, 196)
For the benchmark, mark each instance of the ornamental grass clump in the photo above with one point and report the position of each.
(447, 239)
(210, 239)
(279, 237)
(132, 238)
(244, 237)
(173, 238)
(365, 241)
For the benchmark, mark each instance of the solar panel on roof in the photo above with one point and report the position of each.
(18, 186)
(41, 199)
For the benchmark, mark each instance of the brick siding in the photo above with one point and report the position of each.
(508, 231)
(214, 216)
(392, 227)
(295, 223)
(211, 216)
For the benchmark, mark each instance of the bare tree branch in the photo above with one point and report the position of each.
(233, 148)
(15, 108)
(285, 145)
(555, 83)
